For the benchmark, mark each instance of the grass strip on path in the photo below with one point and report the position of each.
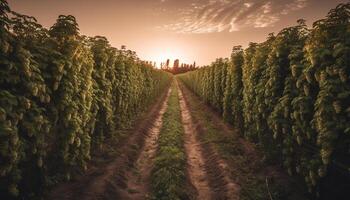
(169, 179)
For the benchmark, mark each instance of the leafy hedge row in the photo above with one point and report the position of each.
(61, 95)
(290, 94)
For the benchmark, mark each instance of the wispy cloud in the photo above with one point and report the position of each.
(208, 16)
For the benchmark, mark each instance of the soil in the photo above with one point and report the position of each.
(138, 178)
(208, 172)
(196, 165)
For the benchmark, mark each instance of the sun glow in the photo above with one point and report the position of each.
(162, 57)
(167, 49)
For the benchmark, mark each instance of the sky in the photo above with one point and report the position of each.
(189, 30)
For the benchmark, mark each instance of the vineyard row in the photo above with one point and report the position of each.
(62, 95)
(290, 95)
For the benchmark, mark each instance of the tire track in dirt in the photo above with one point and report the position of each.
(138, 179)
(196, 165)
(216, 169)
(111, 181)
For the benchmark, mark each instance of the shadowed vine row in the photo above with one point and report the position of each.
(290, 95)
(62, 95)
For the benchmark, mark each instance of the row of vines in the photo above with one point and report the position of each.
(62, 95)
(290, 95)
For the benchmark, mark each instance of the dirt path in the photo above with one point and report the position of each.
(112, 181)
(197, 173)
(208, 172)
(138, 178)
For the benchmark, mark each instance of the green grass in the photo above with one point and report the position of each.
(168, 177)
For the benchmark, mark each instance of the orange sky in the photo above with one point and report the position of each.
(191, 30)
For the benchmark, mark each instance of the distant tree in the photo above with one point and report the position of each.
(176, 63)
(176, 66)
(167, 63)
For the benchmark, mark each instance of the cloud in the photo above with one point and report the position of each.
(207, 16)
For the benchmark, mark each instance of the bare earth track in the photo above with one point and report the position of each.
(138, 179)
(196, 168)
(208, 172)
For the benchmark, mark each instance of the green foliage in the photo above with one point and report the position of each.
(232, 103)
(71, 94)
(292, 92)
(209, 82)
(23, 122)
(328, 52)
(219, 70)
(104, 78)
(62, 95)
(255, 76)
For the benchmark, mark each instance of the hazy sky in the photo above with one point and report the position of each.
(191, 30)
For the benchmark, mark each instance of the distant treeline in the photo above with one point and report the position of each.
(291, 95)
(178, 68)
